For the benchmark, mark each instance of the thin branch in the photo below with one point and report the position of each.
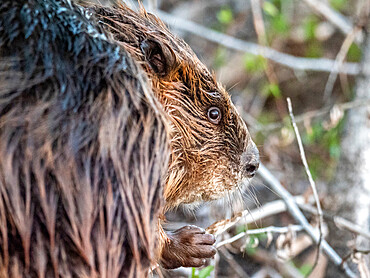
(341, 56)
(314, 114)
(233, 263)
(354, 228)
(298, 63)
(271, 229)
(293, 209)
(278, 206)
(246, 217)
(357, 257)
(312, 183)
(259, 26)
(284, 269)
(337, 19)
(339, 221)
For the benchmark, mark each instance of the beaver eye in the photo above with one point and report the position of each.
(214, 115)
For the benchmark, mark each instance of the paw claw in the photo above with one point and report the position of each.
(189, 246)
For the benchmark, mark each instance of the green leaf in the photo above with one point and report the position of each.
(270, 9)
(354, 53)
(272, 90)
(334, 151)
(338, 4)
(206, 272)
(305, 269)
(193, 275)
(316, 134)
(254, 63)
(220, 57)
(309, 26)
(314, 50)
(225, 16)
(250, 248)
(280, 24)
(240, 229)
(275, 90)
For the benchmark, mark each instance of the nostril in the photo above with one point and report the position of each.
(251, 169)
(250, 160)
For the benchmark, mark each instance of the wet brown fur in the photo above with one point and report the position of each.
(206, 158)
(83, 148)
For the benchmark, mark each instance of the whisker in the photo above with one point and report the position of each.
(233, 86)
(271, 190)
(230, 202)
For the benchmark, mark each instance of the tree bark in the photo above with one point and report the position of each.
(350, 189)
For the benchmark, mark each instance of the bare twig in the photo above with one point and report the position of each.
(293, 209)
(278, 206)
(271, 229)
(314, 114)
(246, 217)
(312, 183)
(233, 263)
(339, 61)
(258, 22)
(337, 19)
(357, 257)
(259, 26)
(339, 221)
(298, 63)
(286, 270)
(354, 228)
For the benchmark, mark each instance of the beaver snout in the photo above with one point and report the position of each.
(250, 160)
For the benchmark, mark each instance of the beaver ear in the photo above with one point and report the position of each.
(160, 57)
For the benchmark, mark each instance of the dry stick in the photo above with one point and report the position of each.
(337, 19)
(246, 216)
(233, 263)
(299, 63)
(312, 183)
(270, 229)
(340, 222)
(278, 206)
(339, 61)
(317, 113)
(293, 209)
(259, 27)
(258, 22)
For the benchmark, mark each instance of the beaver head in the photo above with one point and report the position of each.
(212, 151)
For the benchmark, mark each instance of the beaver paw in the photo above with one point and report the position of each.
(188, 246)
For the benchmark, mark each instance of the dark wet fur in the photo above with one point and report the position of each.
(77, 198)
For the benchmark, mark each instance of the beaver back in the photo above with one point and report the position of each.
(83, 148)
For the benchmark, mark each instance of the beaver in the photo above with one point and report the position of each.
(211, 149)
(83, 146)
(100, 123)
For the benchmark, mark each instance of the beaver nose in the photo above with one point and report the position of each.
(250, 160)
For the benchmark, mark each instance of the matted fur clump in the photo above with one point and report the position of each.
(83, 147)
